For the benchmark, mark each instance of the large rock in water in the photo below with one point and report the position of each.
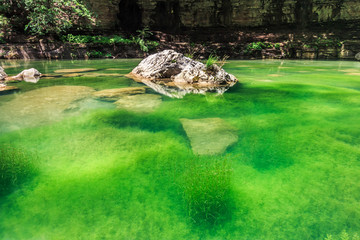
(169, 64)
(209, 136)
(3, 75)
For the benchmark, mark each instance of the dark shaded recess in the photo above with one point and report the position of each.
(226, 13)
(275, 15)
(166, 16)
(130, 15)
(148, 122)
(303, 13)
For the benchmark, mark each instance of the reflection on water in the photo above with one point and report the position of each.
(179, 90)
(32, 79)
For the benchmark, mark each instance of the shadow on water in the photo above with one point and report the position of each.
(148, 122)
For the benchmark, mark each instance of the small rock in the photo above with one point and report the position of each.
(3, 75)
(29, 75)
(209, 136)
(139, 103)
(115, 94)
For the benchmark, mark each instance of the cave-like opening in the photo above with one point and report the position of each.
(130, 15)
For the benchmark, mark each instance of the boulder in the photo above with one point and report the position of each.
(3, 75)
(139, 103)
(115, 94)
(29, 75)
(169, 64)
(209, 136)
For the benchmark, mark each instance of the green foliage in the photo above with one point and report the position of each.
(95, 39)
(207, 190)
(16, 167)
(189, 55)
(144, 33)
(212, 59)
(145, 45)
(4, 27)
(95, 54)
(258, 46)
(322, 42)
(42, 17)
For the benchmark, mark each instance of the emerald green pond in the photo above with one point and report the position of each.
(112, 173)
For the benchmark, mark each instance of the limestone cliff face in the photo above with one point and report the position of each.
(175, 14)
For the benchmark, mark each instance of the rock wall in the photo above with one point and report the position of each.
(171, 15)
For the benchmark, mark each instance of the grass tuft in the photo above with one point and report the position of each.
(207, 190)
(16, 167)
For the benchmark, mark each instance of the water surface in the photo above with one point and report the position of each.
(110, 173)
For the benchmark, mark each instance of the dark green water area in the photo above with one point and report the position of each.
(100, 172)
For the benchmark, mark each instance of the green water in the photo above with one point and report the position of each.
(111, 174)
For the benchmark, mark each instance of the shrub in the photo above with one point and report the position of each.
(257, 46)
(41, 17)
(16, 167)
(145, 45)
(207, 190)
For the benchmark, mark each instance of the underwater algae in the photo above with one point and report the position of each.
(116, 174)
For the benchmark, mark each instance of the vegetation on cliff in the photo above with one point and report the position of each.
(42, 17)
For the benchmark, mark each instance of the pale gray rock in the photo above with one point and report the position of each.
(3, 75)
(209, 136)
(30, 75)
(172, 65)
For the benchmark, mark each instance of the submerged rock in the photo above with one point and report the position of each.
(139, 103)
(7, 89)
(3, 75)
(115, 94)
(40, 106)
(169, 64)
(209, 136)
(357, 56)
(29, 75)
(75, 70)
